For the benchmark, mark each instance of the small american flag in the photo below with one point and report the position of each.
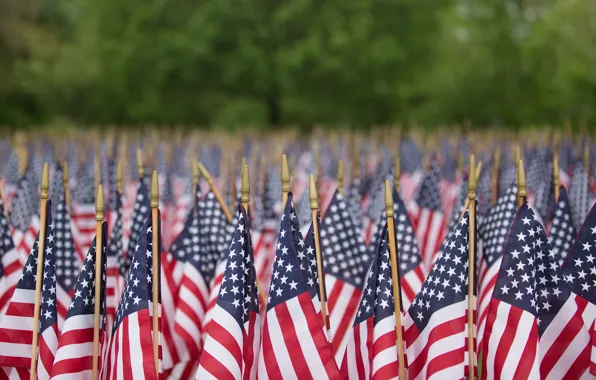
(74, 357)
(579, 273)
(578, 191)
(562, 229)
(67, 260)
(131, 348)
(371, 350)
(233, 335)
(427, 215)
(294, 343)
(510, 345)
(16, 327)
(83, 206)
(10, 266)
(346, 262)
(493, 232)
(436, 328)
(115, 276)
(23, 215)
(141, 211)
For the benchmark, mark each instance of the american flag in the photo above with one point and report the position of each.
(427, 215)
(205, 245)
(115, 274)
(346, 262)
(74, 357)
(173, 213)
(140, 212)
(493, 234)
(510, 345)
(23, 215)
(436, 325)
(233, 337)
(10, 266)
(16, 327)
(579, 273)
(83, 207)
(67, 260)
(562, 229)
(308, 265)
(131, 347)
(294, 343)
(578, 190)
(371, 350)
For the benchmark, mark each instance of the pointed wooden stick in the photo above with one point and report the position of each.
(314, 207)
(556, 178)
(205, 173)
(195, 184)
(395, 278)
(340, 177)
(99, 216)
(471, 260)
(45, 185)
(285, 180)
(155, 265)
(397, 173)
(521, 183)
(140, 168)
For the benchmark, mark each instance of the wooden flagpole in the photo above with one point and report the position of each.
(340, 177)
(395, 278)
(472, 182)
(314, 207)
(195, 184)
(397, 173)
(220, 200)
(556, 178)
(140, 168)
(521, 183)
(467, 204)
(97, 168)
(119, 177)
(45, 185)
(495, 179)
(155, 265)
(285, 180)
(99, 217)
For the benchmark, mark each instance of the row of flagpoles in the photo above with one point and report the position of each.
(190, 318)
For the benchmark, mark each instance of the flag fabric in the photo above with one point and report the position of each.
(10, 265)
(83, 207)
(67, 260)
(141, 211)
(511, 339)
(562, 229)
(294, 343)
(579, 273)
(23, 215)
(435, 326)
(74, 357)
(371, 351)
(427, 215)
(493, 232)
(579, 196)
(16, 326)
(115, 272)
(346, 261)
(131, 347)
(233, 337)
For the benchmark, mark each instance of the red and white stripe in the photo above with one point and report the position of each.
(294, 345)
(173, 347)
(326, 192)
(114, 287)
(190, 311)
(16, 330)
(131, 349)
(62, 303)
(213, 293)
(593, 348)
(565, 345)
(9, 191)
(449, 193)
(408, 185)
(74, 356)
(438, 351)
(342, 304)
(411, 283)
(510, 349)
(128, 203)
(84, 224)
(12, 273)
(24, 240)
(48, 343)
(487, 280)
(230, 352)
(371, 352)
(429, 227)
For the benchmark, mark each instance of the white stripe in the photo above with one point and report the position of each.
(389, 354)
(223, 356)
(520, 340)
(74, 375)
(256, 346)
(450, 343)
(305, 339)
(23, 296)
(433, 233)
(74, 351)
(17, 323)
(17, 350)
(364, 347)
(203, 374)
(280, 351)
(502, 314)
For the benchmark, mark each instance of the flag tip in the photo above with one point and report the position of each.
(388, 199)
(154, 190)
(285, 174)
(245, 186)
(99, 204)
(312, 191)
(45, 181)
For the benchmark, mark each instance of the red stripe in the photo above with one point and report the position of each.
(357, 345)
(446, 360)
(334, 294)
(146, 342)
(248, 353)
(528, 355)
(385, 341)
(291, 340)
(273, 371)
(46, 355)
(507, 338)
(220, 334)
(565, 338)
(214, 367)
(347, 318)
(14, 266)
(126, 354)
(72, 366)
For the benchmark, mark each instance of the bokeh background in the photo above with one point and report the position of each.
(265, 62)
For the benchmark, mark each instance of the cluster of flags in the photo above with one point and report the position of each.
(270, 276)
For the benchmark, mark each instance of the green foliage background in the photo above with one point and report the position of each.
(298, 62)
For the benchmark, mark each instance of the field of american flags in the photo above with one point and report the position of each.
(240, 288)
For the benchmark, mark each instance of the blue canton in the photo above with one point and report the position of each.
(495, 228)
